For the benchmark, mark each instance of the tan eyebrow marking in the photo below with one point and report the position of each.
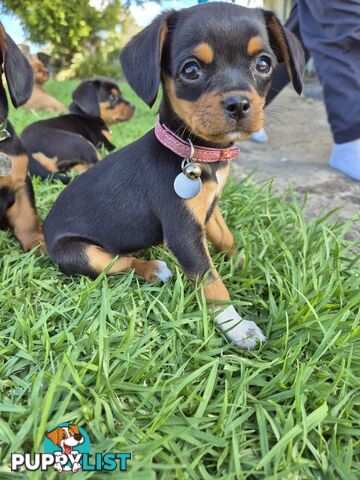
(204, 52)
(255, 44)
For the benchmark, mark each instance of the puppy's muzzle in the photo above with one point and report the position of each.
(237, 107)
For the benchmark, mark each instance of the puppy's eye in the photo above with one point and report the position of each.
(64, 435)
(263, 65)
(111, 97)
(191, 71)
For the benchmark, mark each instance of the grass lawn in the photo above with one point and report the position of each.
(142, 368)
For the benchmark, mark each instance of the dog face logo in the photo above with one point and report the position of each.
(68, 438)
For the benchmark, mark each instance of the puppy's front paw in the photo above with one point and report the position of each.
(36, 240)
(162, 272)
(244, 333)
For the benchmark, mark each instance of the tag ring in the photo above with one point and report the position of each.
(192, 151)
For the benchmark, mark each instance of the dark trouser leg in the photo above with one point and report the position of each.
(331, 31)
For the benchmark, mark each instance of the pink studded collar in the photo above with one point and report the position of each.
(197, 154)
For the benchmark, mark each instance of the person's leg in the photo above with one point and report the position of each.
(331, 32)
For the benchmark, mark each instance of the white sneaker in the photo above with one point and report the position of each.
(260, 136)
(345, 157)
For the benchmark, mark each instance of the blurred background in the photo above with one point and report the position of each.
(84, 37)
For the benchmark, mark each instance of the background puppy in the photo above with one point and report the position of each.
(215, 63)
(71, 141)
(17, 205)
(40, 100)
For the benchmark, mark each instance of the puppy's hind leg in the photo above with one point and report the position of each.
(76, 257)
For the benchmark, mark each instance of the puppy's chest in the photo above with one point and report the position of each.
(211, 190)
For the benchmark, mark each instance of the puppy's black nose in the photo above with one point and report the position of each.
(78, 436)
(237, 107)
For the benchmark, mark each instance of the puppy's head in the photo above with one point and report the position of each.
(215, 62)
(41, 73)
(66, 437)
(17, 69)
(101, 97)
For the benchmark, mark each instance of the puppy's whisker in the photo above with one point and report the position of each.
(270, 119)
(275, 89)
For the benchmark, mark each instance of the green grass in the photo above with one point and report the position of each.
(142, 368)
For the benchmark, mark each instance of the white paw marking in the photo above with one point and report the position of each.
(76, 467)
(162, 272)
(244, 333)
(58, 467)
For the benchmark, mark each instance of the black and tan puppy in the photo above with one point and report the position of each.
(215, 63)
(17, 205)
(71, 141)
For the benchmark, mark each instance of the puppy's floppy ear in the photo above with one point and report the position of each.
(18, 72)
(287, 48)
(141, 59)
(54, 436)
(74, 428)
(86, 98)
(44, 58)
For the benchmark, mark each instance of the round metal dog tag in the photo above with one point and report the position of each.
(5, 165)
(185, 187)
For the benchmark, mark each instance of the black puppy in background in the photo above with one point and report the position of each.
(215, 63)
(17, 203)
(71, 141)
